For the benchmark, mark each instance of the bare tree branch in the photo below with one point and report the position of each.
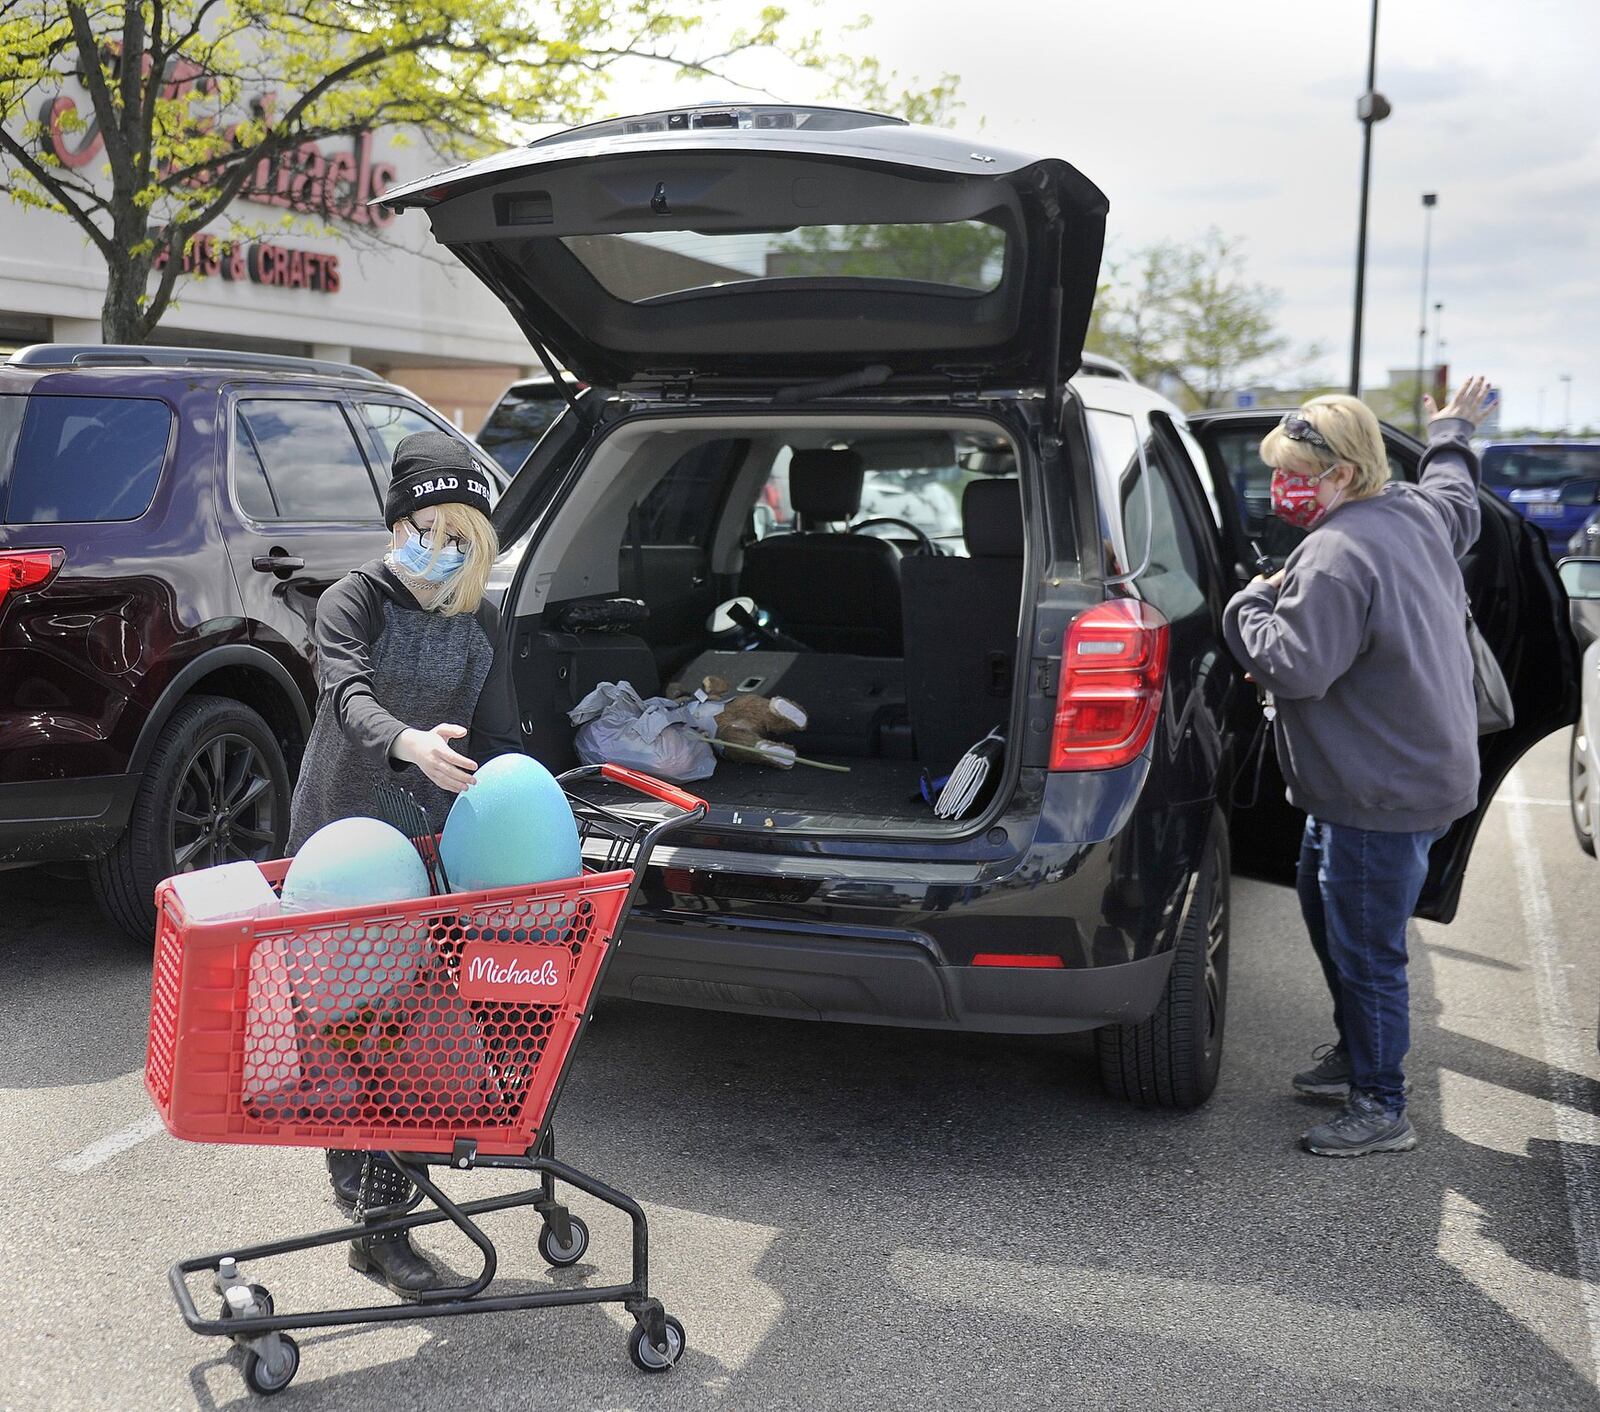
(46, 178)
(95, 81)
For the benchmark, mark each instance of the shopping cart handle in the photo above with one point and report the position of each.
(656, 789)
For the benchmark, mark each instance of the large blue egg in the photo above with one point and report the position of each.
(354, 863)
(512, 828)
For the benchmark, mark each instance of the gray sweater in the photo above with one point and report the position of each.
(385, 663)
(1364, 647)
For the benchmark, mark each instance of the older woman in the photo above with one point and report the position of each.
(1361, 640)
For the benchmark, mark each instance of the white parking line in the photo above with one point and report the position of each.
(1577, 1133)
(105, 1148)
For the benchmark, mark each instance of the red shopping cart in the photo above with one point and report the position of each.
(439, 1032)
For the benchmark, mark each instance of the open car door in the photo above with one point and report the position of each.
(1516, 597)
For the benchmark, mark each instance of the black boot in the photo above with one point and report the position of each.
(391, 1257)
(395, 1261)
(344, 1175)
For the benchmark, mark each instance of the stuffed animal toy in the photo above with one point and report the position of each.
(744, 722)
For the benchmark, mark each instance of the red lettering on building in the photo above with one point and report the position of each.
(300, 178)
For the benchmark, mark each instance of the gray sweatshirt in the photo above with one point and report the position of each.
(1364, 646)
(385, 663)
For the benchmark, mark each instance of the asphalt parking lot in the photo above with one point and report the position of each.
(861, 1218)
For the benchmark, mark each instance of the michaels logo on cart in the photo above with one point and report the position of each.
(514, 972)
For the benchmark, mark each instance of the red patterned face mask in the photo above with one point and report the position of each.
(1294, 498)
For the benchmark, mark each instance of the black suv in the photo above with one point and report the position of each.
(168, 518)
(877, 327)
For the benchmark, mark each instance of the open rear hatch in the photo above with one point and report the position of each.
(775, 245)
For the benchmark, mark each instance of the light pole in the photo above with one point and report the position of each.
(1372, 107)
(1430, 199)
(1566, 404)
(1438, 344)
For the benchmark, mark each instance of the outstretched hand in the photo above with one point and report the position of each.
(1468, 403)
(430, 752)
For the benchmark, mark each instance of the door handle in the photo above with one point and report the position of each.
(277, 562)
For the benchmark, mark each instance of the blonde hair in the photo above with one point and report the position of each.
(463, 591)
(1354, 439)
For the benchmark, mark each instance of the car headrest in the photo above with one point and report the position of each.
(991, 517)
(824, 484)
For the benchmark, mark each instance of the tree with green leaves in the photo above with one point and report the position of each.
(1187, 313)
(195, 104)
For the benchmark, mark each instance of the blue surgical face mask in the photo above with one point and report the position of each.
(414, 557)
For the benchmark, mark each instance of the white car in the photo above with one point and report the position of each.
(1581, 577)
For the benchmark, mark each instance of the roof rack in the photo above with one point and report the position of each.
(124, 355)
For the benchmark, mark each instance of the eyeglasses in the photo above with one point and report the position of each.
(1297, 428)
(425, 538)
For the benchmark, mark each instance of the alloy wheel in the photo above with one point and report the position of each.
(1216, 955)
(224, 811)
(1581, 787)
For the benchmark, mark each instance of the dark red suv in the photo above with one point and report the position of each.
(168, 519)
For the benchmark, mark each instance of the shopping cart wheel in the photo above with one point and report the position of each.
(554, 1253)
(267, 1376)
(647, 1358)
(263, 1298)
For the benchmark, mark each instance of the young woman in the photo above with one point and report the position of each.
(407, 664)
(1361, 639)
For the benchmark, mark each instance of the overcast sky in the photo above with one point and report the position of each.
(1241, 114)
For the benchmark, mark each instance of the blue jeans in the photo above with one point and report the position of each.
(1357, 889)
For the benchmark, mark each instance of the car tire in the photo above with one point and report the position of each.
(1583, 791)
(181, 771)
(1172, 1059)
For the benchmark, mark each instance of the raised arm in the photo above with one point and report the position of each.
(1448, 474)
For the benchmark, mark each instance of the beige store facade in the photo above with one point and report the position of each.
(354, 284)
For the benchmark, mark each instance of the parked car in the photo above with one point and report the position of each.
(519, 417)
(1090, 889)
(1555, 484)
(168, 519)
(1581, 578)
(1585, 543)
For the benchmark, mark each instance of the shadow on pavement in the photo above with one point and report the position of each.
(78, 1001)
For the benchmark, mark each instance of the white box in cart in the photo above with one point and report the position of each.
(226, 891)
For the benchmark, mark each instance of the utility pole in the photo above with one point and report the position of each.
(1430, 199)
(1372, 107)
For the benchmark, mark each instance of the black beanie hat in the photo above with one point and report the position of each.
(433, 468)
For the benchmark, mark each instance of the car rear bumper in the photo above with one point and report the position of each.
(63, 820)
(812, 975)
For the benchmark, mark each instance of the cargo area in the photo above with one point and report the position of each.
(868, 570)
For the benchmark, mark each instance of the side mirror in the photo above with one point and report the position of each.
(1580, 578)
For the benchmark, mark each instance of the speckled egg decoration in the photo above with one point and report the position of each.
(354, 863)
(513, 828)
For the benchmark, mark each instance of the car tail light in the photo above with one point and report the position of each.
(1113, 669)
(1038, 963)
(25, 569)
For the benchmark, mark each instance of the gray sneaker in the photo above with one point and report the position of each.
(1363, 1125)
(1330, 1077)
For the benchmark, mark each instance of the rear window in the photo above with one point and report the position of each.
(80, 459)
(1537, 467)
(683, 506)
(963, 256)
